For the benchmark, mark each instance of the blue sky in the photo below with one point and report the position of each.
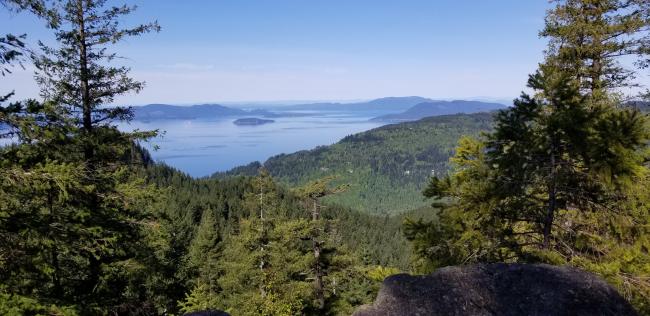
(268, 50)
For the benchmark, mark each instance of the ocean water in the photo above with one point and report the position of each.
(201, 147)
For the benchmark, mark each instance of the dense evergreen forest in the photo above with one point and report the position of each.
(210, 214)
(89, 225)
(386, 168)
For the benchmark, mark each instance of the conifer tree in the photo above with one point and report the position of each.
(263, 204)
(77, 76)
(286, 289)
(11, 50)
(588, 39)
(559, 180)
(313, 192)
(203, 256)
(263, 262)
(69, 180)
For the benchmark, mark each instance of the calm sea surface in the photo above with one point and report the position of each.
(201, 147)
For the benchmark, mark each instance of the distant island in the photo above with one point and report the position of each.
(252, 121)
(395, 109)
(436, 108)
(152, 112)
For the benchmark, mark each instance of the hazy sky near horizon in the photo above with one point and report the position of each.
(257, 50)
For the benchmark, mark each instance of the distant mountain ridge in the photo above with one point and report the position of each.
(643, 106)
(166, 111)
(436, 108)
(396, 104)
(399, 109)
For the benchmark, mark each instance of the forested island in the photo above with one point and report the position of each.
(252, 121)
(90, 224)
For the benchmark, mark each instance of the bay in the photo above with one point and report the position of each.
(201, 147)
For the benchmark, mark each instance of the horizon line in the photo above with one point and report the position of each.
(289, 102)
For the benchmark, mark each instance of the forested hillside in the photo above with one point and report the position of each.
(90, 225)
(386, 168)
(363, 233)
(368, 242)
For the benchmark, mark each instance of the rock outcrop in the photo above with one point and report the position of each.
(498, 289)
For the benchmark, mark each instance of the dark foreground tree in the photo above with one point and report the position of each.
(563, 177)
(73, 210)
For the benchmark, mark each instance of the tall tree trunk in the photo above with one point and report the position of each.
(94, 263)
(552, 199)
(597, 55)
(86, 105)
(56, 277)
(262, 237)
(596, 74)
(318, 272)
(54, 252)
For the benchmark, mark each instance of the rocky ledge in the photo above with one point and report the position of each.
(498, 289)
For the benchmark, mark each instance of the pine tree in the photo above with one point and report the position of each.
(561, 178)
(11, 50)
(313, 192)
(71, 203)
(203, 256)
(456, 236)
(262, 203)
(588, 39)
(263, 260)
(75, 76)
(264, 264)
(286, 290)
(556, 182)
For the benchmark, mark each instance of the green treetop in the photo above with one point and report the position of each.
(562, 178)
(589, 38)
(72, 212)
